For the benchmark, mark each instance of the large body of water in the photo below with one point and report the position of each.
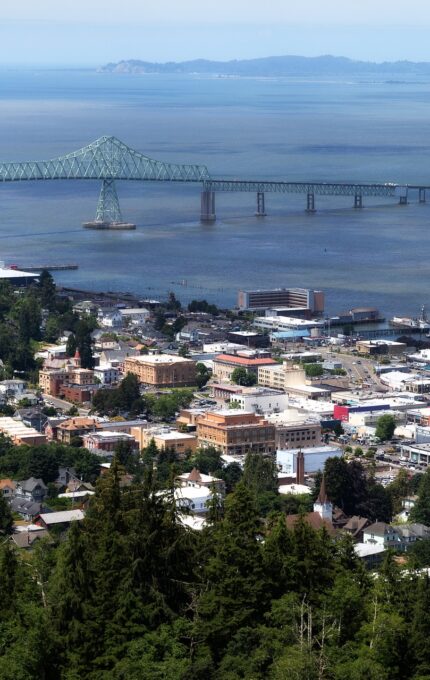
(252, 128)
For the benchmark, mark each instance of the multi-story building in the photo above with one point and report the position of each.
(19, 433)
(225, 364)
(295, 431)
(236, 432)
(104, 442)
(281, 376)
(162, 370)
(165, 438)
(75, 427)
(197, 479)
(254, 300)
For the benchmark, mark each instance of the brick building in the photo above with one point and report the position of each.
(236, 432)
(162, 370)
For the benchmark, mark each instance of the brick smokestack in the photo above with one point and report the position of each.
(300, 471)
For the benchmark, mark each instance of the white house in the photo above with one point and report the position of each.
(106, 374)
(12, 388)
(193, 498)
(111, 319)
(136, 316)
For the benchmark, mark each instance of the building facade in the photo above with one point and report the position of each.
(162, 370)
(235, 432)
(251, 300)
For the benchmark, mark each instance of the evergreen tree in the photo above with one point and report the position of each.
(6, 520)
(421, 510)
(235, 591)
(47, 290)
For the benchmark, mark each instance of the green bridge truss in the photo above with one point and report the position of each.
(108, 159)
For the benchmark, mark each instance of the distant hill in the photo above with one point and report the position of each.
(272, 66)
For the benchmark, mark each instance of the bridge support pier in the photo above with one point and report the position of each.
(108, 215)
(261, 204)
(310, 203)
(207, 213)
(403, 199)
(358, 201)
(421, 195)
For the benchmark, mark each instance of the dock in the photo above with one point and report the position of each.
(41, 267)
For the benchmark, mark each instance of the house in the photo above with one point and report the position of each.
(27, 538)
(411, 533)
(194, 499)
(27, 508)
(86, 308)
(75, 427)
(382, 534)
(7, 488)
(12, 388)
(197, 479)
(355, 527)
(135, 316)
(107, 375)
(64, 518)
(111, 319)
(371, 554)
(32, 417)
(31, 489)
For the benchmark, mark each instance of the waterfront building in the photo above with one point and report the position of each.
(375, 347)
(253, 300)
(162, 370)
(236, 432)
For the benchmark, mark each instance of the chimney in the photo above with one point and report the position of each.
(300, 469)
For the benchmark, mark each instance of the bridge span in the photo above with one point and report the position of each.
(108, 160)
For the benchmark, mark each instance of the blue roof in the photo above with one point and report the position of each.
(291, 334)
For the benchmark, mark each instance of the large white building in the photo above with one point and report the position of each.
(261, 400)
(315, 458)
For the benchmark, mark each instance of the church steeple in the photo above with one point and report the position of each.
(322, 505)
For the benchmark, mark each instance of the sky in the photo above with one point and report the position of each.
(93, 32)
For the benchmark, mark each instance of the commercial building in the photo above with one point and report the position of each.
(16, 277)
(281, 376)
(105, 442)
(162, 370)
(249, 338)
(375, 347)
(225, 364)
(20, 433)
(294, 429)
(260, 400)
(287, 323)
(253, 300)
(165, 438)
(236, 432)
(315, 458)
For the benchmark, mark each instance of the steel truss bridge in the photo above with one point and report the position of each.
(108, 160)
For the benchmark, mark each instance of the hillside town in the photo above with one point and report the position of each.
(328, 432)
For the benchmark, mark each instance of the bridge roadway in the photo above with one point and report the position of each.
(108, 160)
(311, 189)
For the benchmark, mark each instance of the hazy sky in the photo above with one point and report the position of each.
(96, 31)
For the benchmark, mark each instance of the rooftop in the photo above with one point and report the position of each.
(159, 359)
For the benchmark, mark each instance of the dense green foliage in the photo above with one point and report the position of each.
(133, 594)
(385, 426)
(313, 370)
(203, 306)
(240, 376)
(126, 399)
(21, 462)
(355, 492)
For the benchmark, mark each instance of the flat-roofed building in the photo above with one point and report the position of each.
(281, 376)
(236, 432)
(225, 364)
(165, 438)
(281, 297)
(294, 429)
(374, 347)
(20, 433)
(105, 441)
(162, 370)
(314, 457)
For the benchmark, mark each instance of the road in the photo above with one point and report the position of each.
(359, 369)
(63, 405)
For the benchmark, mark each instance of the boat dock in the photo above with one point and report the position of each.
(41, 267)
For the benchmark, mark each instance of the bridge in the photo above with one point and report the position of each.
(108, 160)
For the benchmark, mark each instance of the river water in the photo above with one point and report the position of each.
(355, 129)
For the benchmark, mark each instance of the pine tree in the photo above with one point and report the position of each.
(6, 521)
(421, 510)
(235, 594)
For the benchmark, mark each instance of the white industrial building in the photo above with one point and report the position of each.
(315, 458)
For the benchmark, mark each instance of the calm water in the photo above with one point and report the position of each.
(280, 129)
